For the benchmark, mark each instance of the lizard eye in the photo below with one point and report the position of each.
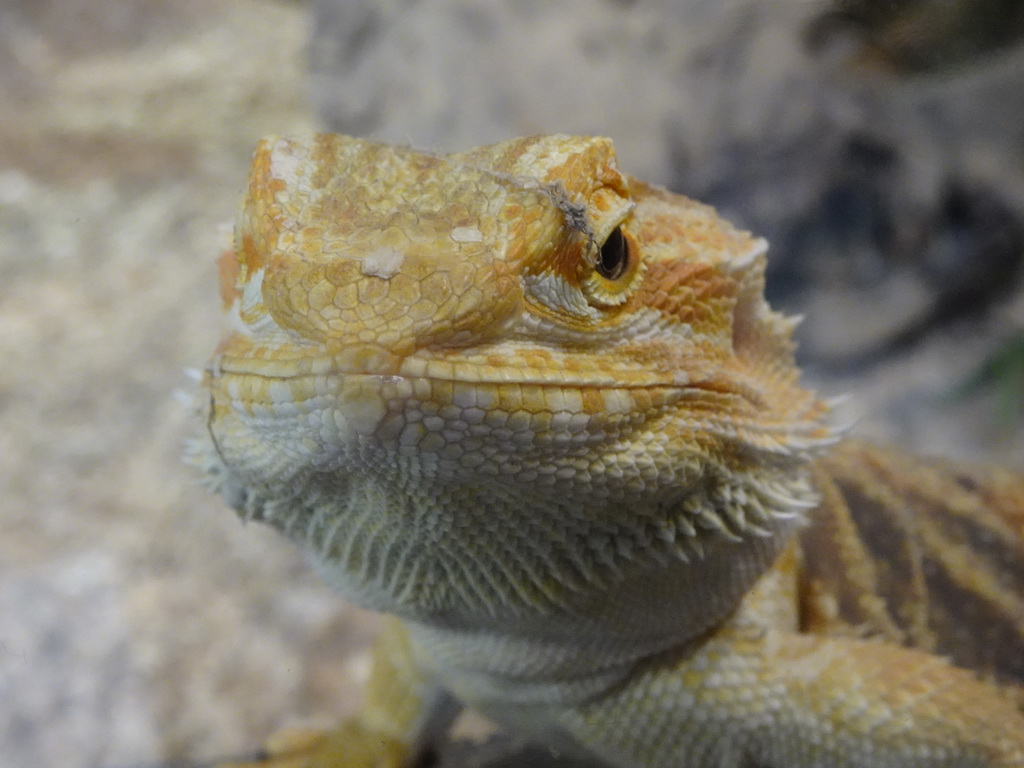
(613, 261)
(610, 276)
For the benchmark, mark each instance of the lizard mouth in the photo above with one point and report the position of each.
(474, 402)
(492, 368)
(369, 391)
(372, 389)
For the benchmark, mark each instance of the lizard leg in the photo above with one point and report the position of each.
(774, 699)
(403, 712)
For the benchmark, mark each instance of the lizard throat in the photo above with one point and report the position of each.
(554, 536)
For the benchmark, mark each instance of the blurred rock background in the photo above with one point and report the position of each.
(879, 145)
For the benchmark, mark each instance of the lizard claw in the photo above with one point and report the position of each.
(349, 746)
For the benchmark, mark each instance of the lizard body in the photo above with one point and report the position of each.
(541, 412)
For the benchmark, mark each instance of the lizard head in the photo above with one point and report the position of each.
(516, 327)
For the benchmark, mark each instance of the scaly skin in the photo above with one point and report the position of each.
(541, 412)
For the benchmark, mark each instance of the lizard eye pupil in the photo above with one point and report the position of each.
(614, 257)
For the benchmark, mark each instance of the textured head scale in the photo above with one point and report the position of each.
(515, 342)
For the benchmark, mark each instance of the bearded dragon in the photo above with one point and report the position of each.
(541, 413)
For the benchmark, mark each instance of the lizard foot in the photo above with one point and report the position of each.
(349, 746)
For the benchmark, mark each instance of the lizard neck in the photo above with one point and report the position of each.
(578, 651)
